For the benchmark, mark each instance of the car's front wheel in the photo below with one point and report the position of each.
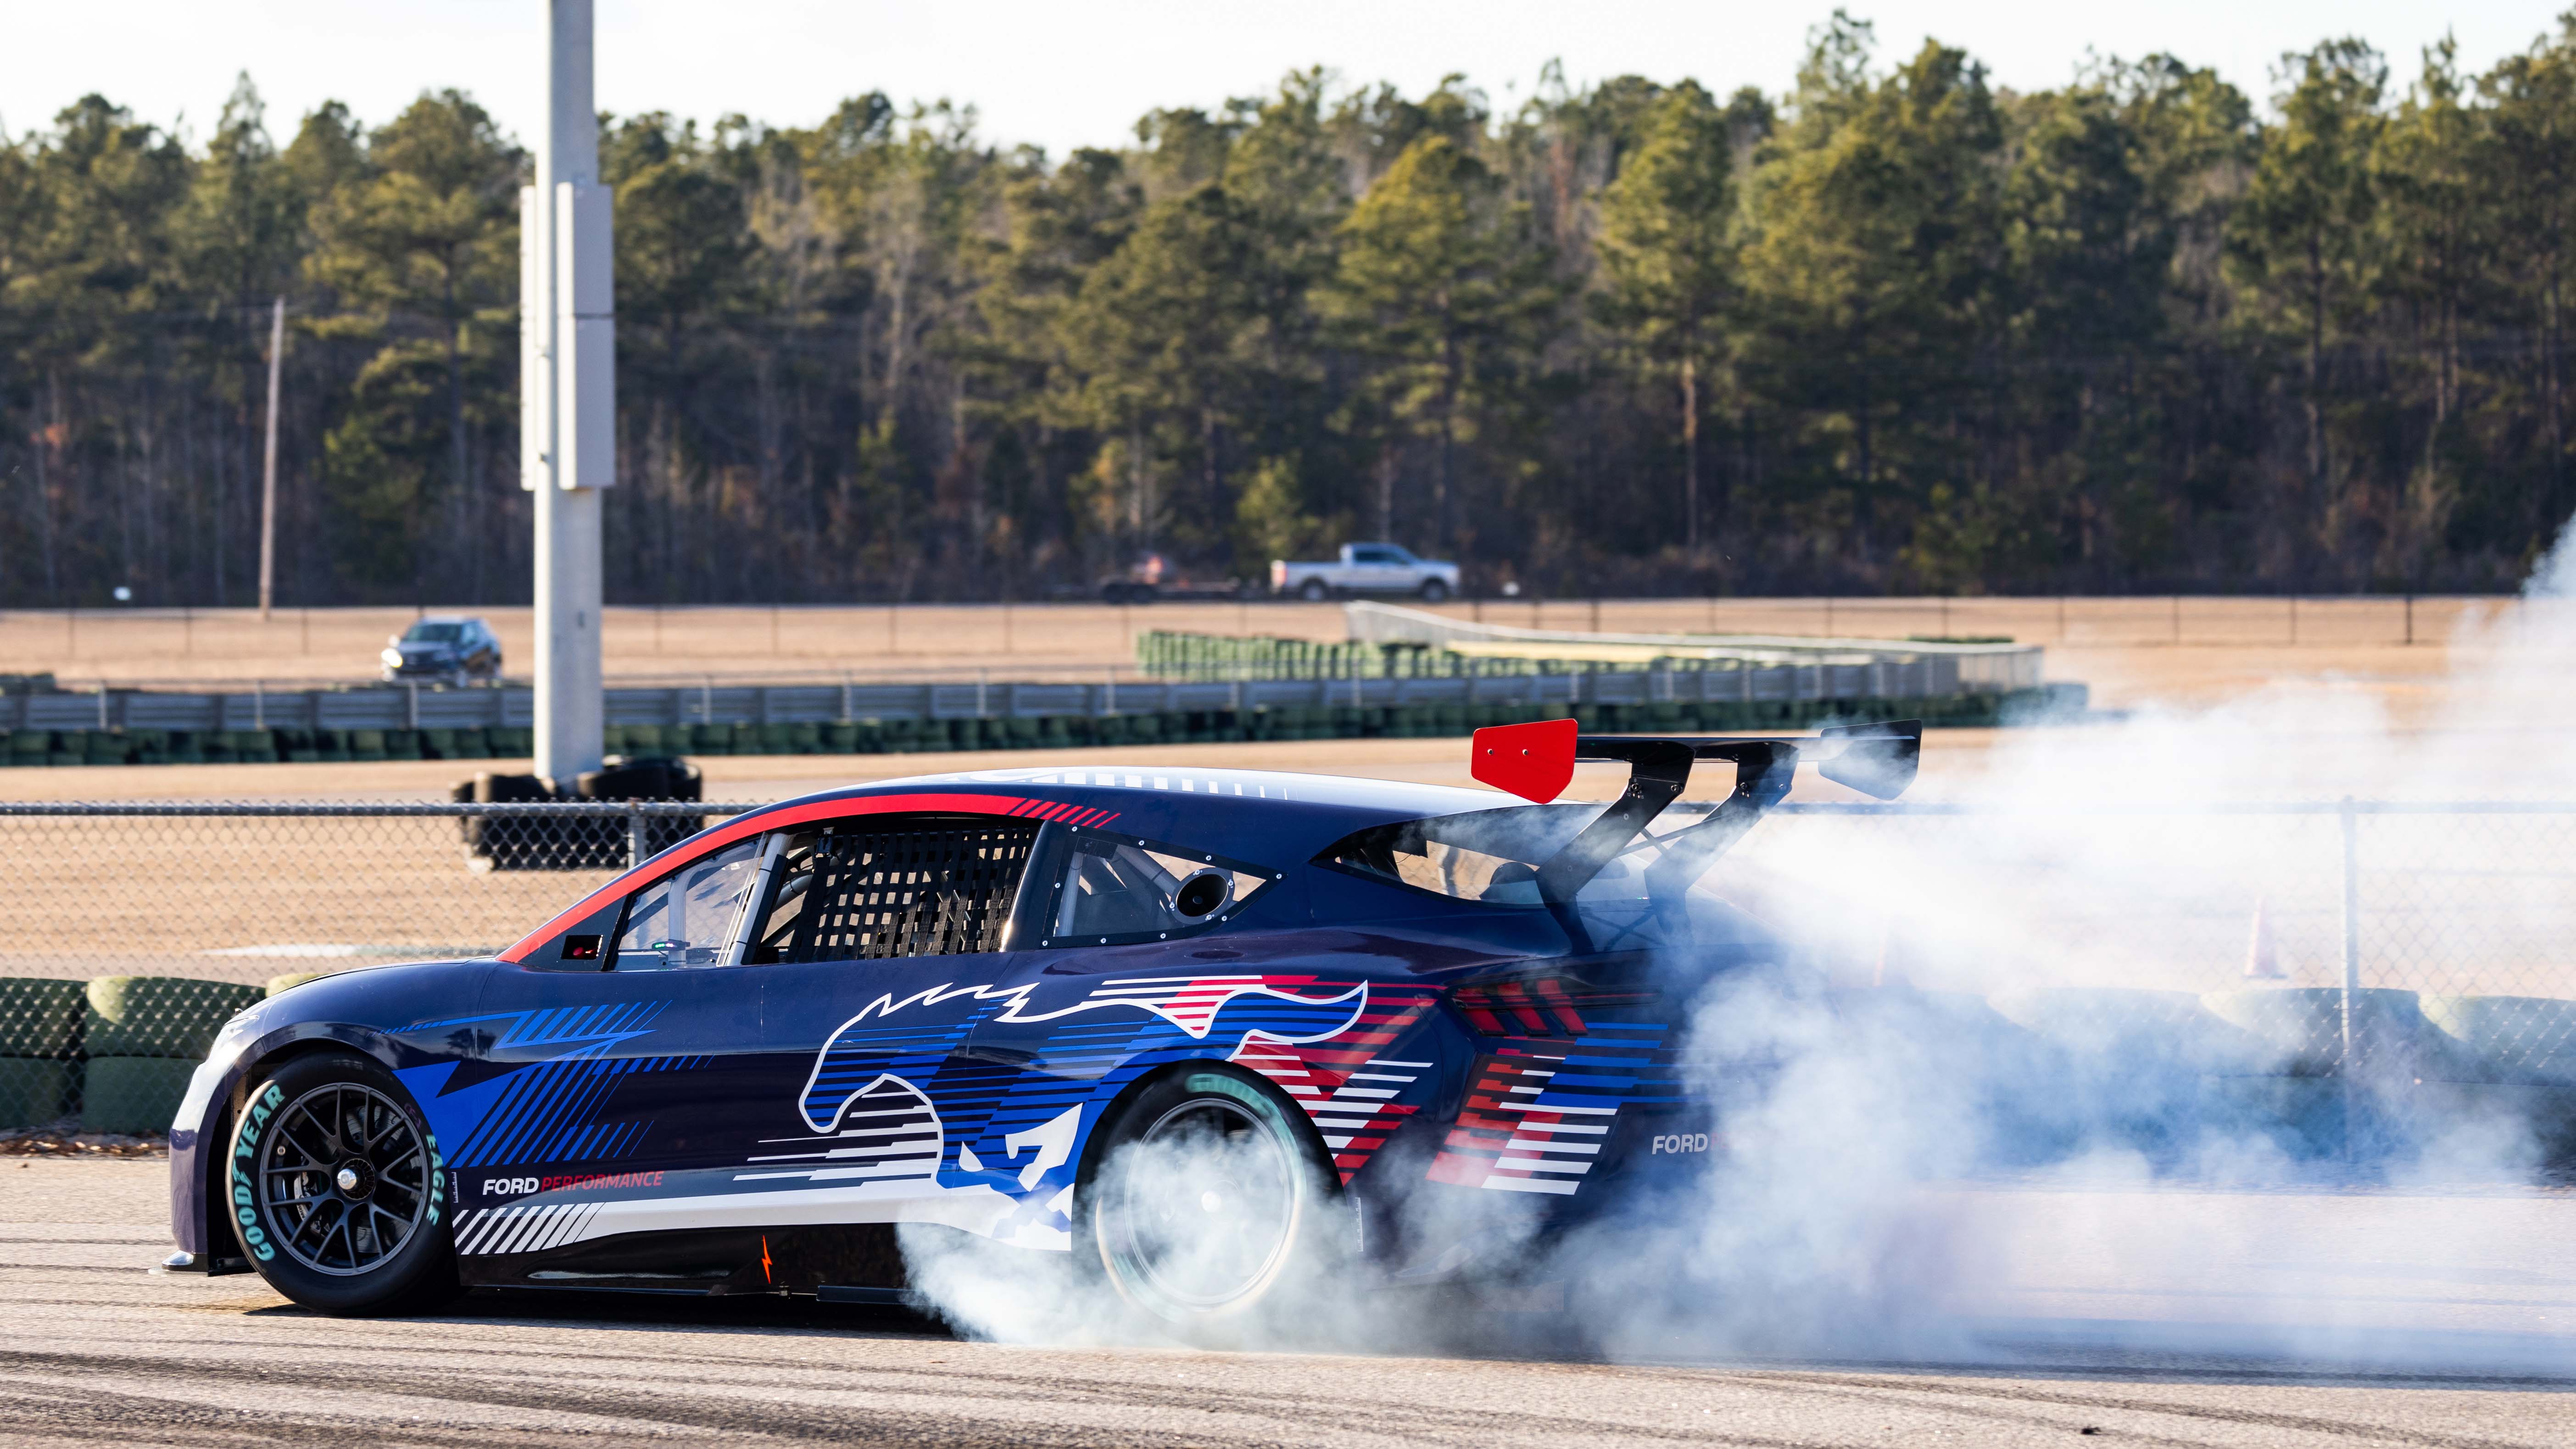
(1208, 1199)
(338, 1192)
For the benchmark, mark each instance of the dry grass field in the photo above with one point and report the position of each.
(2130, 650)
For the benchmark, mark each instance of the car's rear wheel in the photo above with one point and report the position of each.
(338, 1192)
(1314, 591)
(1209, 1198)
(1434, 591)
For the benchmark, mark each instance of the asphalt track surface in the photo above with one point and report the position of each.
(2094, 1338)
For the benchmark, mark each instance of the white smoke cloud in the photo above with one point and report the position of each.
(1981, 1016)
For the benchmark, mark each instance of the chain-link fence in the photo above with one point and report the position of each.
(139, 928)
(243, 892)
(2318, 943)
(2338, 978)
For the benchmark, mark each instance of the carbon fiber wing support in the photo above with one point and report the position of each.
(1879, 760)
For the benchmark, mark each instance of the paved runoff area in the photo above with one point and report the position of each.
(2169, 1318)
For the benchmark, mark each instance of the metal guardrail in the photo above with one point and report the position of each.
(394, 707)
(1997, 667)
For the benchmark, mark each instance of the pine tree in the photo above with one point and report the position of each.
(2300, 235)
(1438, 289)
(1667, 250)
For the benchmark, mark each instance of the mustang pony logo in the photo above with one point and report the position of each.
(1275, 1009)
(1193, 1004)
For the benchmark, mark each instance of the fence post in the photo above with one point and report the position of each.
(634, 833)
(2350, 819)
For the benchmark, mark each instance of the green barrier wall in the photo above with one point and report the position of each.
(907, 736)
(133, 1095)
(40, 1042)
(114, 1054)
(159, 1016)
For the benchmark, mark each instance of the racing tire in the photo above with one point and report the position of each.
(1434, 591)
(1205, 1199)
(338, 1193)
(1313, 591)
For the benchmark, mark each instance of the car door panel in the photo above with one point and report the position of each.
(878, 940)
(590, 1090)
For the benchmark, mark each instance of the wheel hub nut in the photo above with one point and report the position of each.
(347, 1178)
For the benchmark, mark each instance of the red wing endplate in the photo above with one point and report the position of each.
(1534, 761)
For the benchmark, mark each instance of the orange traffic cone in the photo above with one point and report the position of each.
(2262, 963)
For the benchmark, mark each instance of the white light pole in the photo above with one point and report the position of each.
(568, 396)
(268, 462)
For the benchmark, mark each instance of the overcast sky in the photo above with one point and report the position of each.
(1072, 74)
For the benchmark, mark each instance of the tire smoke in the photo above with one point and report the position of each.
(2016, 1076)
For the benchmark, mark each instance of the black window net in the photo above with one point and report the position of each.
(862, 891)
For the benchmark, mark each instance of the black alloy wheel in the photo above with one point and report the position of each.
(338, 1192)
(1434, 591)
(1207, 1200)
(1315, 591)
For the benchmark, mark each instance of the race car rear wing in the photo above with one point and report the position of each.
(1536, 762)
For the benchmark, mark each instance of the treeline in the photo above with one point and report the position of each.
(1891, 329)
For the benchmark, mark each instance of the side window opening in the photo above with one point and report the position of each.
(878, 887)
(689, 917)
(1110, 889)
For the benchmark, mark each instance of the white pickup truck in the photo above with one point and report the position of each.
(1366, 568)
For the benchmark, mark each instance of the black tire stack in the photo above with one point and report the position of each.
(502, 842)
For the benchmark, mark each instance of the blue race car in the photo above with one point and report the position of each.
(1346, 1018)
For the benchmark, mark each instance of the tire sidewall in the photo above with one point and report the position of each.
(1310, 1239)
(422, 1271)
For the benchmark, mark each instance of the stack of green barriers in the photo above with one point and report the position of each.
(266, 746)
(916, 736)
(111, 1055)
